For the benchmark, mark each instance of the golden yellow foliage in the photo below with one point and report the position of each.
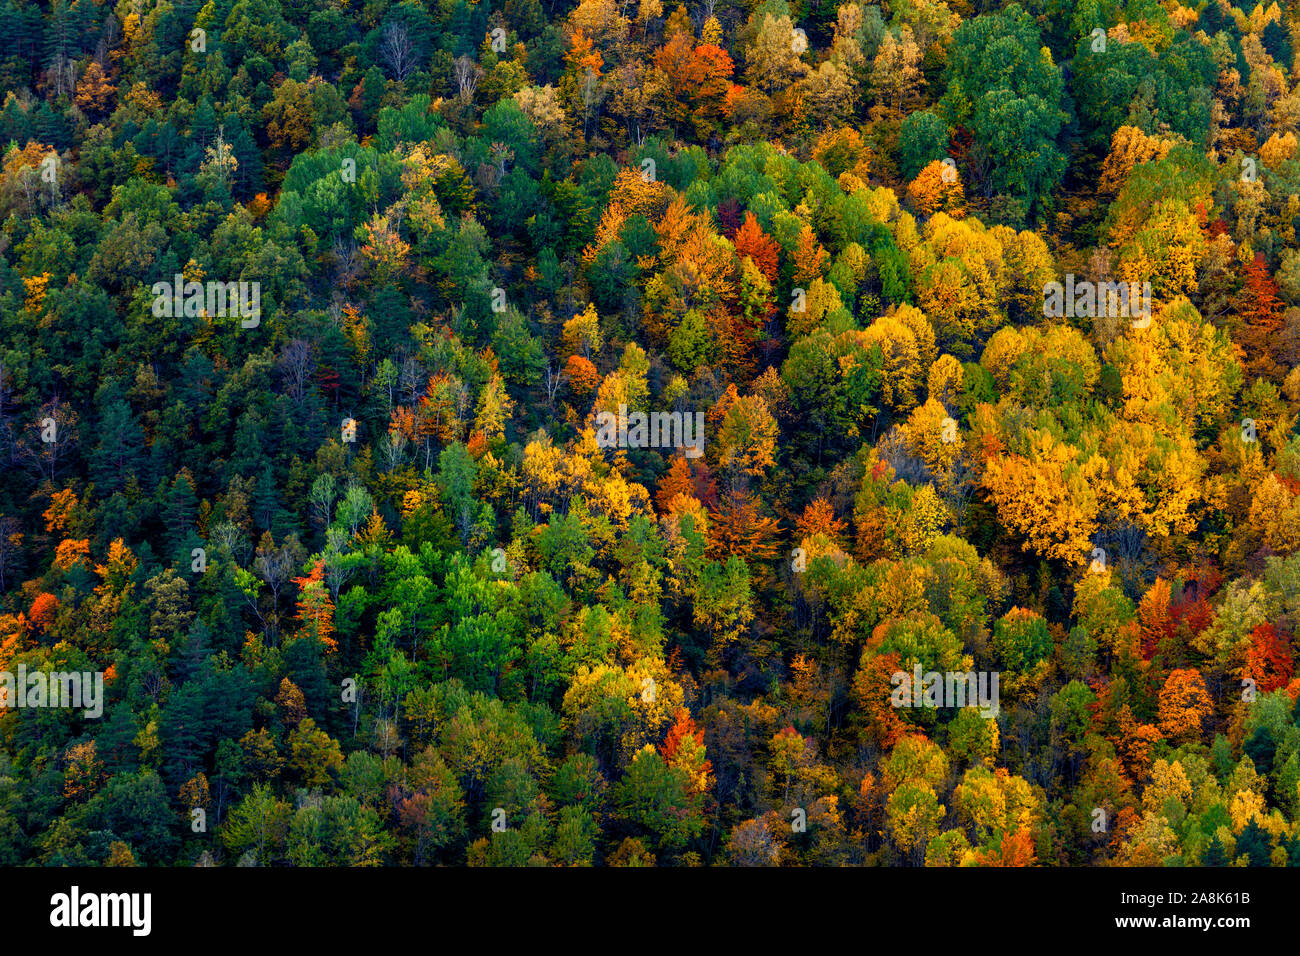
(1047, 498)
(936, 188)
(70, 553)
(1129, 147)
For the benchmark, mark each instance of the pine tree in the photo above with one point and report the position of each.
(1214, 854)
(1253, 844)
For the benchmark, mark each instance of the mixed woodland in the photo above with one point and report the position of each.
(365, 589)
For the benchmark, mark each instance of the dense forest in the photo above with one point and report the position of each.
(314, 319)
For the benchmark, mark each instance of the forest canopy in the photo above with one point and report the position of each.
(512, 433)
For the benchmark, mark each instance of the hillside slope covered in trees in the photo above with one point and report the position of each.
(368, 581)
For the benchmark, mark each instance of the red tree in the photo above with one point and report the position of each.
(1268, 660)
(753, 242)
(1261, 311)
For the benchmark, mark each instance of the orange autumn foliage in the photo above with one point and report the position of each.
(676, 482)
(315, 610)
(713, 68)
(631, 194)
(935, 189)
(119, 566)
(699, 77)
(752, 241)
(1184, 704)
(872, 686)
(819, 518)
(738, 528)
(1268, 659)
(438, 415)
(1017, 850)
(41, 614)
(684, 478)
(684, 748)
(810, 258)
(1135, 749)
(403, 422)
(582, 375)
(70, 553)
(1155, 621)
(94, 91)
(1262, 311)
(582, 56)
(477, 445)
(62, 504)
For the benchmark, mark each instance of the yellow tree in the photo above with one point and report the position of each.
(907, 346)
(684, 748)
(896, 76)
(1166, 250)
(995, 803)
(748, 436)
(63, 506)
(581, 334)
(774, 58)
(843, 150)
(1129, 147)
(1275, 514)
(94, 92)
(931, 435)
(632, 193)
(1153, 480)
(494, 408)
(914, 813)
(288, 117)
(1047, 497)
(384, 249)
(1184, 705)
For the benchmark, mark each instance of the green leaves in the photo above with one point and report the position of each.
(1004, 87)
(922, 138)
(656, 799)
